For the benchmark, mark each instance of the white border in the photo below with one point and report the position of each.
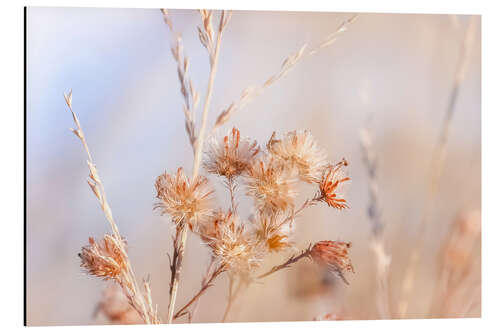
(12, 157)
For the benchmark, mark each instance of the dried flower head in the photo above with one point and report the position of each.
(231, 243)
(333, 177)
(271, 184)
(300, 150)
(230, 156)
(271, 232)
(185, 200)
(105, 259)
(334, 255)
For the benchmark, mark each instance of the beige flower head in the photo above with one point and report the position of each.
(105, 259)
(334, 255)
(333, 177)
(185, 200)
(230, 243)
(270, 230)
(301, 150)
(271, 184)
(230, 156)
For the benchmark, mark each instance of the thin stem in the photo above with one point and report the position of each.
(201, 136)
(204, 282)
(196, 165)
(202, 290)
(382, 259)
(231, 185)
(232, 297)
(179, 248)
(252, 92)
(305, 254)
(130, 287)
(308, 203)
(437, 163)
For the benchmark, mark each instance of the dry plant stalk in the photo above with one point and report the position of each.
(436, 168)
(212, 45)
(249, 93)
(382, 259)
(109, 259)
(457, 260)
(188, 92)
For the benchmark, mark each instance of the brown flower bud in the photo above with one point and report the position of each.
(105, 259)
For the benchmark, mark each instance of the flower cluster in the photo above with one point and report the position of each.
(270, 177)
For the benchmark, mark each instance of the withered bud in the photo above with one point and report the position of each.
(333, 177)
(105, 259)
(333, 255)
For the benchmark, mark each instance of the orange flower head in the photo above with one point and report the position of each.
(334, 255)
(230, 156)
(333, 177)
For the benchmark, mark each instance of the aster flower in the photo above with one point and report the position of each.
(271, 184)
(230, 156)
(270, 231)
(300, 150)
(185, 200)
(105, 259)
(231, 243)
(334, 255)
(333, 177)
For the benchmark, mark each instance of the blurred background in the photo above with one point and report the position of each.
(391, 74)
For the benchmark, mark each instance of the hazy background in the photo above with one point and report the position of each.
(398, 68)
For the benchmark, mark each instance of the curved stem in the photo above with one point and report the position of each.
(305, 254)
(232, 297)
(202, 290)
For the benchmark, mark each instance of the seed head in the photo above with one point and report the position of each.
(105, 260)
(334, 255)
(185, 200)
(300, 150)
(231, 243)
(333, 177)
(270, 232)
(271, 184)
(230, 156)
